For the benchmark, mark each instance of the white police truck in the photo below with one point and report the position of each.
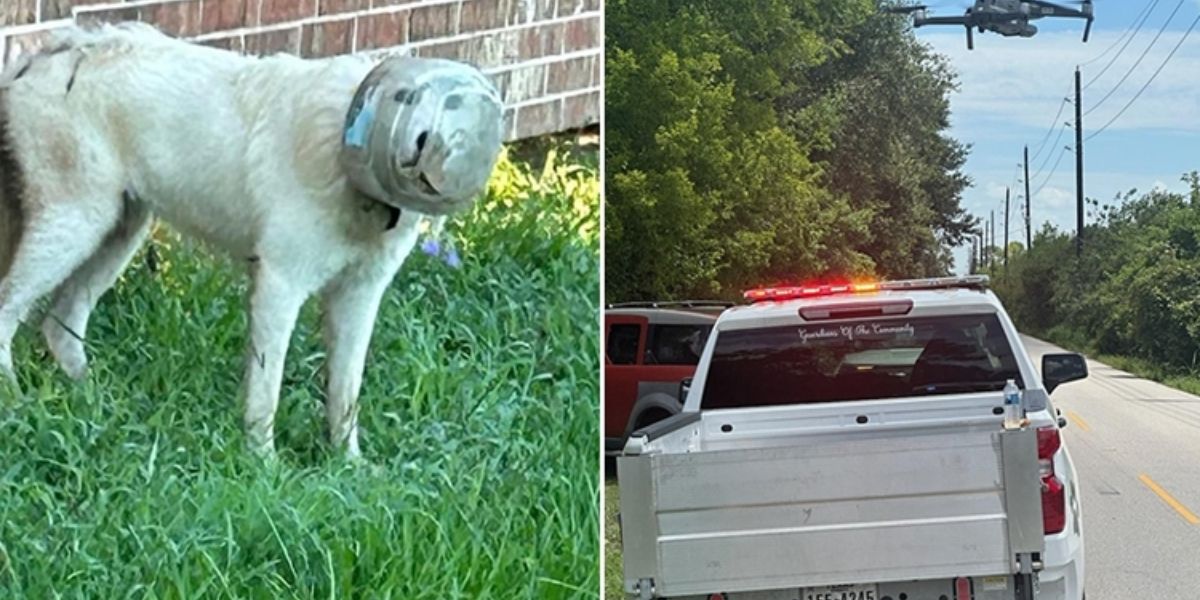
(849, 442)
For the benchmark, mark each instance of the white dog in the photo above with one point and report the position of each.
(105, 128)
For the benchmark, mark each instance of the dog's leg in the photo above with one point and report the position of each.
(274, 306)
(56, 239)
(66, 324)
(351, 304)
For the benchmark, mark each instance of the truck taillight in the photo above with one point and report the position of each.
(1054, 499)
(962, 589)
(1054, 505)
(1049, 441)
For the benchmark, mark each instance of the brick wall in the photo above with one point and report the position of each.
(545, 55)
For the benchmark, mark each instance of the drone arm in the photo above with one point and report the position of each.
(940, 21)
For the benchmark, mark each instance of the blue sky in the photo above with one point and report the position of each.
(1011, 89)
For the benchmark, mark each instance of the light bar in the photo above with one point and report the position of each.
(815, 290)
(935, 283)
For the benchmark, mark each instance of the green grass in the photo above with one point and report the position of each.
(1187, 382)
(613, 577)
(479, 411)
(1180, 379)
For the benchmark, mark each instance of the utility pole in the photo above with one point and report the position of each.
(981, 242)
(1007, 191)
(979, 245)
(1028, 221)
(974, 253)
(1078, 165)
(992, 244)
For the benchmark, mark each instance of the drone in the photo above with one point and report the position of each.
(1006, 17)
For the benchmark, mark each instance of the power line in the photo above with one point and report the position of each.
(1140, 20)
(1041, 169)
(1152, 78)
(1143, 16)
(1053, 170)
(1139, 60)
(1137, 29)
(1016, 176)
(1050, 130)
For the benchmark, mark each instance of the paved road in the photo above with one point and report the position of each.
(1136, 446)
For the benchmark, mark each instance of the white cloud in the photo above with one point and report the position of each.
(1021, 82)
(996, 190)
(1056, 197)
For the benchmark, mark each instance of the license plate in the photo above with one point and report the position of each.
(843, 592)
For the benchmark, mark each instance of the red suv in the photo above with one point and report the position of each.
(650, 349)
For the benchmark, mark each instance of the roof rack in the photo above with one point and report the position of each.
(674, 304)
(979, 282)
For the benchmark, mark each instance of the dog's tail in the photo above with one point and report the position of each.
(11, 217)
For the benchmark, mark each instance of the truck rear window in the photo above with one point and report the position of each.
(859, 360)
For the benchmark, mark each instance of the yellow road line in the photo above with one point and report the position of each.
(1187, 515)
(1078, 420)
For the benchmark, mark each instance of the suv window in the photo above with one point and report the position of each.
(623, 343)
(859, 360)
(675, 344)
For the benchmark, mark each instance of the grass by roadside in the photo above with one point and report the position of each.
(1187, 382)
(1180, 379)
(613, 578)
(478, 408)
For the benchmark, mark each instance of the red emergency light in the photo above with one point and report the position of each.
(776, 294)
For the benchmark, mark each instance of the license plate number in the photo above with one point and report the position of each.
(843, 592)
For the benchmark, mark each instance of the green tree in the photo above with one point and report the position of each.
(1134, 291)
(760, 141)
(888, 152)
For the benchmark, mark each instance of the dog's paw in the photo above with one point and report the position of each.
(264, 451)
(75, 367)
(67, 349)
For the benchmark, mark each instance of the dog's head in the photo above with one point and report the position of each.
(423, 134)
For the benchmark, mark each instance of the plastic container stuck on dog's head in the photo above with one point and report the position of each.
(423, 134)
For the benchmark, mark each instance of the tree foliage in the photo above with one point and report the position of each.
(757, 141)
(1135, 289)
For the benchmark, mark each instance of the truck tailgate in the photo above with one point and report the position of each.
(831, 509)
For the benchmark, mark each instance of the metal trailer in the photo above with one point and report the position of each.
(908, 509)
